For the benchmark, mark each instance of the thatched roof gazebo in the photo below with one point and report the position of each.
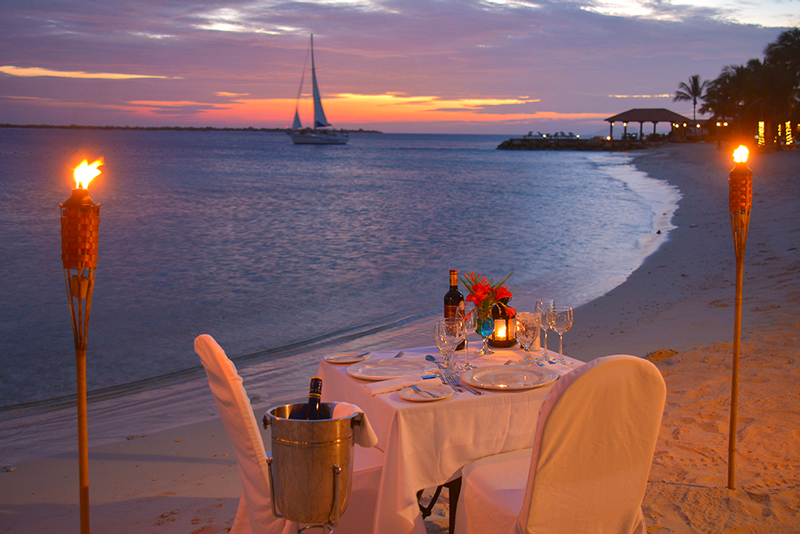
(642, 115)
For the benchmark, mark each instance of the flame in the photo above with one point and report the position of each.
(740, 154)
(85, 172)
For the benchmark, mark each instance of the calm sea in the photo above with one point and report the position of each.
(276, 249)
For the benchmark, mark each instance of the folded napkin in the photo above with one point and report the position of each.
(363, 433)
(395, 384)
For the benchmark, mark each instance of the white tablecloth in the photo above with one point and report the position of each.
(427, 443)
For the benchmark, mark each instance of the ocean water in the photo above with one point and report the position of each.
(278, 250)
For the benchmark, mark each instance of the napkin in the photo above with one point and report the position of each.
(363, 433)
(395, 384)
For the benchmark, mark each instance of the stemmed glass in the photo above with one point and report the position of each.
(466, 321)
(560, 320)
(542, 307)
(448, 336)
(484, 326)
(528, 325)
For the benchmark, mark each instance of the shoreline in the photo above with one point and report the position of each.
(692, 274)
(676, 308)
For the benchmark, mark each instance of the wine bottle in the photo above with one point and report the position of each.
(314, 396)
(453, 300)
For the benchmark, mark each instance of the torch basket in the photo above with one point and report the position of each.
(311, 466)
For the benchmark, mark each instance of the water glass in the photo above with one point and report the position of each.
(448, 336)
(528, 325)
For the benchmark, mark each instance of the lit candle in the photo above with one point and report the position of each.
(500, 330)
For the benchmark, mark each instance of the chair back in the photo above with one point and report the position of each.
(593, 448)
(240, 424)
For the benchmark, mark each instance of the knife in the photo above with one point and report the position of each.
(426, 392)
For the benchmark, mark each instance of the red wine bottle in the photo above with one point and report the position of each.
(453, 300)
(314, 397)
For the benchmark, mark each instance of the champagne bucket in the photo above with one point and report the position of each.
(312, 464)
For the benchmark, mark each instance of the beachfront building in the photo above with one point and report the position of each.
(681, 127)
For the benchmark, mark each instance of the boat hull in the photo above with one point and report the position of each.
(319, 137)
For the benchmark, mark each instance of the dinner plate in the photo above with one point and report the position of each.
(347, 357)
(509, 377)
(389, 368)
(441, 392)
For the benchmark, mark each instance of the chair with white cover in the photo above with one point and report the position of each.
(591, 457)
(254, 514)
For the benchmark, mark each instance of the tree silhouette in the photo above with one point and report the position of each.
(767, 90)
(691, 91)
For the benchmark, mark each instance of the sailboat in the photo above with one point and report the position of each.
(319, 134)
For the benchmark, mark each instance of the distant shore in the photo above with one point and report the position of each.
(163, 128)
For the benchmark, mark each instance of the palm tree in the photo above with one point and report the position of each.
(785, 51)
(784, 54)
(691, 91)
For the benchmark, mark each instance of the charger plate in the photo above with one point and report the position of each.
(388, 368)
(509, 377)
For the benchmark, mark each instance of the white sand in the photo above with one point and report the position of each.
(678, 308)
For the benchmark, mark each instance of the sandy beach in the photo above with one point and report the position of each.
(676, 309)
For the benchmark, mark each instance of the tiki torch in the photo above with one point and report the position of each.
(80, 220)
(741, 200)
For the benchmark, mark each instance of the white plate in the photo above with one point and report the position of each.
(509, 377)
(389, 368)
(347, 357)
(441, 392)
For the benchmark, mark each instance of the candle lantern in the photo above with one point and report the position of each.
(505, 328)
(740, 201)
(80, 220)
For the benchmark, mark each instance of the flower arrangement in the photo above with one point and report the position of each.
(485, 295)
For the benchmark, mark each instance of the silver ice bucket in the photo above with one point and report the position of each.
(312, 464)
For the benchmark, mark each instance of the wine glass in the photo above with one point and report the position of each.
(542, 306)
(484, 326)
(560, 320)
(528, 325)
(466, 321)
(449, 335)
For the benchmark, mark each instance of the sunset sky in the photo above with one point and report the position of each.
(425, 66)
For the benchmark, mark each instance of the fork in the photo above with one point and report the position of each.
(453, 380)
(455, 383)
(444, 376)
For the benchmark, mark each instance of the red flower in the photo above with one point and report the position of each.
(479, 292)
(502, 292)
(485, 295)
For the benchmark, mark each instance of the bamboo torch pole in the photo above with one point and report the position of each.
(80, 220)
(741, 200)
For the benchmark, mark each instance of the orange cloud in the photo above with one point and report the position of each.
(36, 71)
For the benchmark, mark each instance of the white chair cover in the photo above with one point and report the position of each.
(588, 468)
(254, 514)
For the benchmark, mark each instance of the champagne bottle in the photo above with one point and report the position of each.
(314, 396)
(453, 300)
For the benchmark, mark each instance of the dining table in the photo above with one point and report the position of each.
(426, 444)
